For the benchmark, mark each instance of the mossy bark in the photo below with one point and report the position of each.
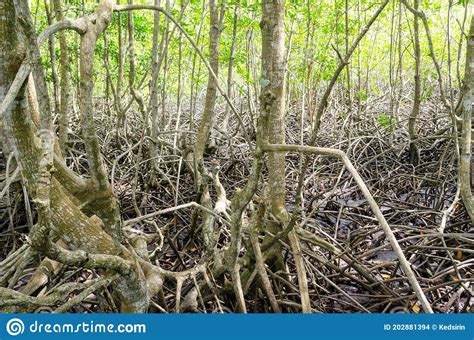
(69, 223)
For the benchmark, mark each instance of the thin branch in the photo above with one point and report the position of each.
(342, 64)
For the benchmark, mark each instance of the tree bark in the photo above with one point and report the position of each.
(272, 120)
(59, 213)
(103, 198)
(272, 98)
(413, 152)
(230, 68)
(208, 116)
(465, 164)
(64, 82)
(52, 52)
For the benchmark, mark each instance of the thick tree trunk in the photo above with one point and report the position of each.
(208, 116)
(103, 199)
(58, 199)
(465, 166)
(272, 98)
(11, 57)
(272, 115)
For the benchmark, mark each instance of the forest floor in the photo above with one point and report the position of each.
(420, 203)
